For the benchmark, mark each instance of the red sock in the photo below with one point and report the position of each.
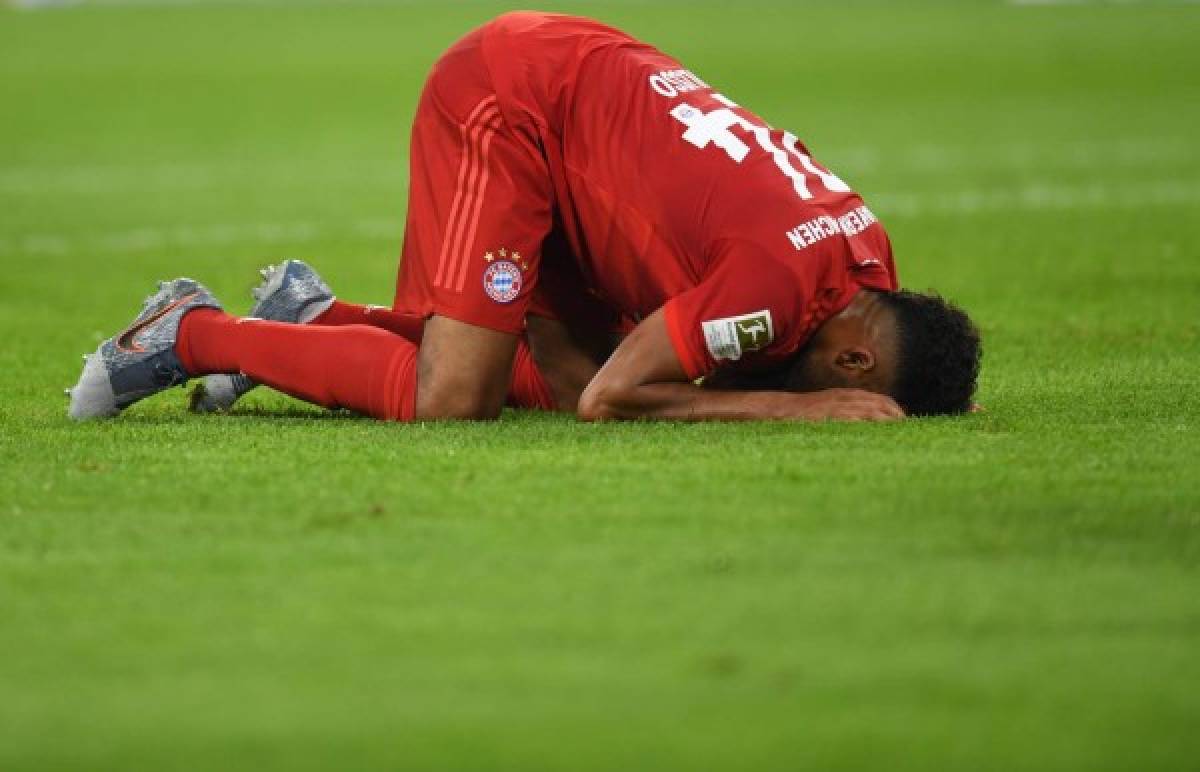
(341, 313)
(528, 388)
(362, 368)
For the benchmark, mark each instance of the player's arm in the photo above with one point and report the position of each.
(644, 379)
(463, 371)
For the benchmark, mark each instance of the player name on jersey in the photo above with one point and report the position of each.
(851, 223)
(672, 83)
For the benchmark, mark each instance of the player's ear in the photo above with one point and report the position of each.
(856, 360)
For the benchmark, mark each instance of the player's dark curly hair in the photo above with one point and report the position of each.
(939, 354)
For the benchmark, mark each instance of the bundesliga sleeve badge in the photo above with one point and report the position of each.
(733, 336)
(503, 279)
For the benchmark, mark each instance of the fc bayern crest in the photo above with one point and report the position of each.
(502, 281)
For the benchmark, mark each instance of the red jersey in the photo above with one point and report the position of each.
(667, 193)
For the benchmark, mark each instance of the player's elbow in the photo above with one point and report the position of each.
(592, 408)
(602, 401)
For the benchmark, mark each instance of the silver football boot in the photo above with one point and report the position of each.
(291, 292)
(141, 360)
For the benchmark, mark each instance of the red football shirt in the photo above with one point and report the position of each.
(669, 193)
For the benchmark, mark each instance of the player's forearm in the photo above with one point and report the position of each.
(687, 402)
(644, 379)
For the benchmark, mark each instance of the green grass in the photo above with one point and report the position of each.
(286, 589)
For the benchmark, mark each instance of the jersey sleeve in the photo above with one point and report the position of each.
(740, 309)
(871, 262)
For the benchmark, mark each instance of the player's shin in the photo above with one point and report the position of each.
(357, 367)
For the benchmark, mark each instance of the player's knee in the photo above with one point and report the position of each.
(460, 405)
(457, 395)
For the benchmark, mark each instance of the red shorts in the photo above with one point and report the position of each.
(479, 202)
(480, 245)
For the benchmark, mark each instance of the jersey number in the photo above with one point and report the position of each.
(715, 128)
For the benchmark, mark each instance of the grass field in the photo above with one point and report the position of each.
(284, 588)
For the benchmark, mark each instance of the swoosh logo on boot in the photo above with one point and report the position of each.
(127, 341)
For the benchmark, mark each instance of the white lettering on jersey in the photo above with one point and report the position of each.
(763, 135)
(715, 127)
(831, 181)
(672, 83)
(810, 232)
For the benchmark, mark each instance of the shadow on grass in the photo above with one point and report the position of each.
(289, 413)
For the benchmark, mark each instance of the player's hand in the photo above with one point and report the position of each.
(849, 405)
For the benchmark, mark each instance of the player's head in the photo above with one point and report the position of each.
(919, 349)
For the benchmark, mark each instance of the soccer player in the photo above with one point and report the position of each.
(567, 182)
